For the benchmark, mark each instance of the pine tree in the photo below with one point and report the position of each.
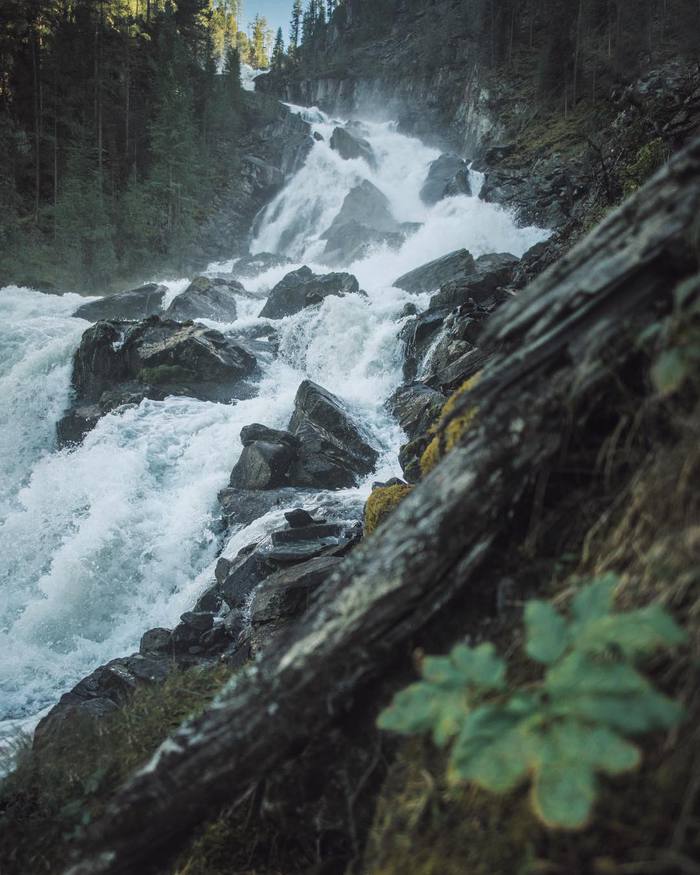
(295, 27)
(278, 51)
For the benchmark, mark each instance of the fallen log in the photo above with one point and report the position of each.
(563, 343)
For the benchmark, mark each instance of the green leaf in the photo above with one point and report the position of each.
(632, 633)
(579, 673)
(547, 632)
(490, 750)
(670, 371)
(631, 714)
(423, 708)
(563, 797)
(480, 666)
(595, 600)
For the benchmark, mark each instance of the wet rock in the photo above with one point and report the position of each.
(490, 273)
(352, 241)
(417, 336)
(319, 137)
(155, 641)
(369, 207)
(350, 146)
(140, 303)
(256, 432)
(303, 288)
(207, 298)
(333, 453)
(82, 418)
(300, 518)
(448, 176)
(415, 407)
(286, 594)
(100, 694)
(429, 277)
(240, 507)
(245, 574)
(183, 359)
(250, 266)
(263, 465)
(291, 546)
(210, 600)
(200, 621)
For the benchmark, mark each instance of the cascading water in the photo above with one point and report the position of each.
(101, 542)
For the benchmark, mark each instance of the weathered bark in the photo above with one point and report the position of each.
(564, 343)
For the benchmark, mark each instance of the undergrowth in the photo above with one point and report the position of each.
(55, 792)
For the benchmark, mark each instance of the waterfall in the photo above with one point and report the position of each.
(100, 542)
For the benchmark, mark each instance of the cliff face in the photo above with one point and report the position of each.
(556, 166)
(422, 71)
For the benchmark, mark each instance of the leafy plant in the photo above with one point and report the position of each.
(561, 730)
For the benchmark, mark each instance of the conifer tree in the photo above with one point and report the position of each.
(278, 51)
(295, 26)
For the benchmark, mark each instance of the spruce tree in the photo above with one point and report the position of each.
(295, 26)
(278, 51)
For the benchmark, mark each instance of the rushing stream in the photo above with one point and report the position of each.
(104, 541)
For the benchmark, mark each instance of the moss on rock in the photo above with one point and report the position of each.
(382, 503)
(450, 428)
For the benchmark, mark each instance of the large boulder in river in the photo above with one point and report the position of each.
(490, 273)
(367, 205)
(137, 303)
(333, 453)
(266, 458)
(303, 288)
(430, 277)
(447, 176)
(364, 220)
(350, 146)
(207, 298)
(129, 361)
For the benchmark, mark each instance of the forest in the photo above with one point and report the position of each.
(118, 119)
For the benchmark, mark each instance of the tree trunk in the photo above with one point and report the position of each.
(36, 71)
(564, 345)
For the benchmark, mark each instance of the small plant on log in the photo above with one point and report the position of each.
(561, 730)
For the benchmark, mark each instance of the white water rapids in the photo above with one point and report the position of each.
(101, 542)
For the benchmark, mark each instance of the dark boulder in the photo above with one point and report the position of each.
(250, 266)
(417, 336)
(256, 432)
(207, 298)
(448, 176)
(155, 641)
(291, 546)
(240, 507)
(82, 418)
(349, 146)
(353, 241)
(100, 694)
(121, 363)
(366, 205)
(286, 594)
(300, 518)
(191, 359)
(243, 575)
(333, 453)
(137, 303)
(435, 274)
(490, 273)
(263, 465)
(416, 407)
(303, 288)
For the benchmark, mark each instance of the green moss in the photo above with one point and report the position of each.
(449, 429)
(646, 162)
(382, 503)
(165, 375)
(54, 794)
